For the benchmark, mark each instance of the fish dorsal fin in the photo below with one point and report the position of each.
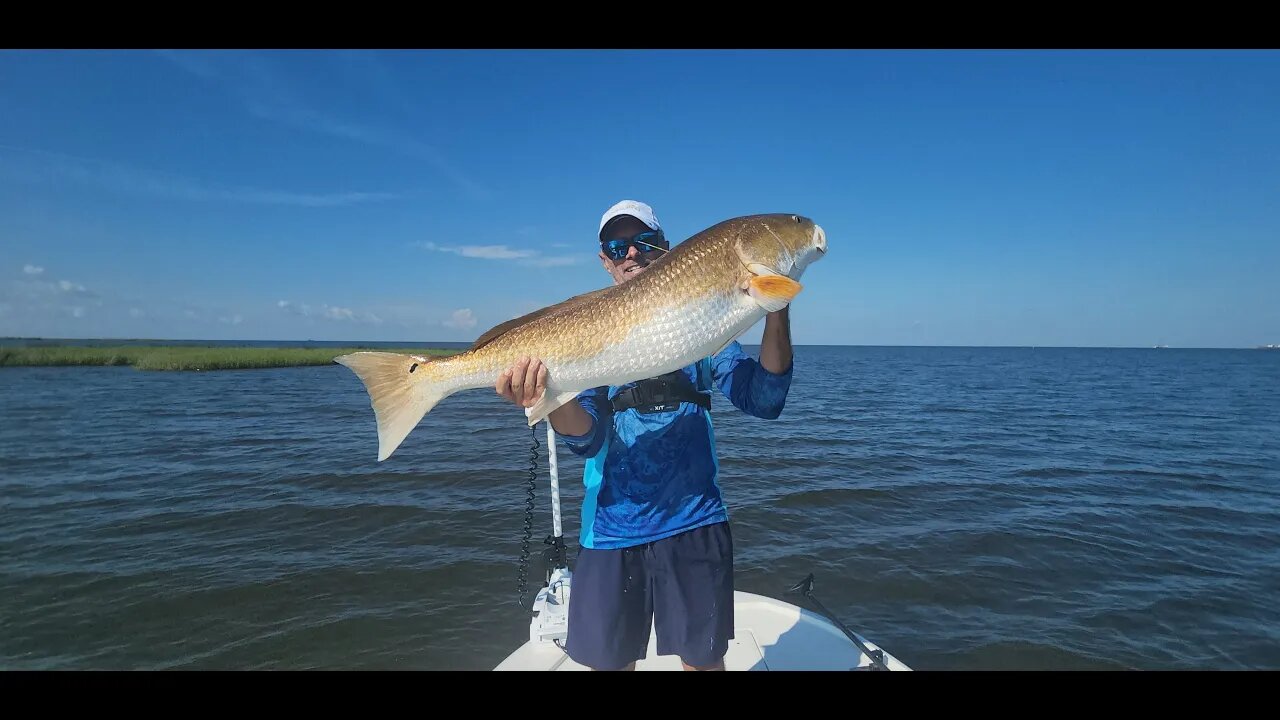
(499, 330)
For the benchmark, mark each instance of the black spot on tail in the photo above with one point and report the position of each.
(413, 367)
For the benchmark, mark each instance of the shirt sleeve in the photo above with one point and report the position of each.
(595, 402)
(748, 385)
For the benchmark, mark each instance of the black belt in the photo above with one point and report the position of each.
(660, 394)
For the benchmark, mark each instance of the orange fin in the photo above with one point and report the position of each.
(773, 292)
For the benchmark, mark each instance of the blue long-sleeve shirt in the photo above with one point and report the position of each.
(651, 476)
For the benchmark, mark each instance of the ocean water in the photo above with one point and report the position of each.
(965, 508)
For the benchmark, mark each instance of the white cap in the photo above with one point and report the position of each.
(635, 209)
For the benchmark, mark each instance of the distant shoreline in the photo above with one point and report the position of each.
(186, 357)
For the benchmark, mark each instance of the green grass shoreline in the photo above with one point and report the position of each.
(186, 357)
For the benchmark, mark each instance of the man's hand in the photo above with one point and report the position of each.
(524, 382)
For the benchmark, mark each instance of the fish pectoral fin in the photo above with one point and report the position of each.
(773, 292)
(547, 405)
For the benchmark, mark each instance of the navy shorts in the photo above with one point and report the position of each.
(683, 583)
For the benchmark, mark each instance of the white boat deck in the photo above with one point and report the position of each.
(769, 635)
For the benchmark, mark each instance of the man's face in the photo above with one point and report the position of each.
(636, 261)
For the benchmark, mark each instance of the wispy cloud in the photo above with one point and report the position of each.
(366, 69)
(412, 315)
(278, 109)
(502, 252)
(325, 311)
(191, 62)
(488, 252)
(265, 94)
(32, 296)
(461, 319)
(34, 288)
(37, 165)
(39, 305)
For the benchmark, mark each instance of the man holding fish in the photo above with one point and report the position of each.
(655, 540)
(625, 375)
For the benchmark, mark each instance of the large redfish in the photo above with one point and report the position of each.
(688, 304)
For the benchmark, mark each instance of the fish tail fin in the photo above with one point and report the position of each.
(402, 390)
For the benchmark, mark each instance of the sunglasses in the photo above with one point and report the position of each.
(644, 242)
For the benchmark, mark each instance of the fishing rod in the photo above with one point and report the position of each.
(805, 587)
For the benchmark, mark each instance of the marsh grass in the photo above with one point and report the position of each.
(186, 357)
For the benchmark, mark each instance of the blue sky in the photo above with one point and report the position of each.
(1079, 198)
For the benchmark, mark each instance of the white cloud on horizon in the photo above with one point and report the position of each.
(33, 289)
(328, 312)
(502, 252)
